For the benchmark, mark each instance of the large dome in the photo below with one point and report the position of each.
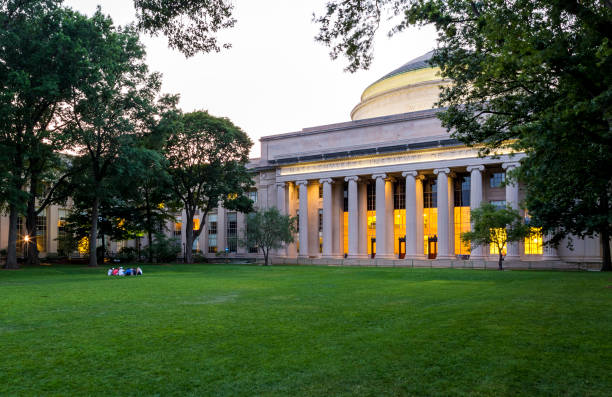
(411, 87)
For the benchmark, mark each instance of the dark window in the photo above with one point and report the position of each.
(345, 195)
(497, 179)
(430, 193)
(320, 191)
(371, 197)
(462, 190)
(232, 231)
(399, 195)
(499, 203)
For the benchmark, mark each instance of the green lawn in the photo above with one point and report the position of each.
(305, 331)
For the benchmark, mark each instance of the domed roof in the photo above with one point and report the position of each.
(412, 87)
(421, 62)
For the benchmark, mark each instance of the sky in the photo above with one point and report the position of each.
(275, 79)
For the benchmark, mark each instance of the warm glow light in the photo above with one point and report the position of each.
(26, 238)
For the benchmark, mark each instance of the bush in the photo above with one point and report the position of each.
(127, 254)
(165, 249)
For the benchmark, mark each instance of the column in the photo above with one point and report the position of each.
(291, 210)
(303, 233)
(338, 220)
(382, 237)
(475, 201)
(281, 204)
(353, 217)
(362, 204)
(443, 214)
(411, 214)
(512, 199)
(420, 234)
(327, 217)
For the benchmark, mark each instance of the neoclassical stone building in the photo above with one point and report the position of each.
(389, 187)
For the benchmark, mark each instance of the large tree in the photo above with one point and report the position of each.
(40, 64)
(207, 159)
(114, 107)
(533, 76)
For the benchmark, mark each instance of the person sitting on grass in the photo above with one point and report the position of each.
(115, 271)
(110, 271)
(138, 271)
(121, 271)
(129, 271)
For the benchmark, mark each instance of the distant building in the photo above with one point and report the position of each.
(389, 187)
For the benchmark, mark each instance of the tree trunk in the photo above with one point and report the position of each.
(150, 237)
(11, 257)
(189, 239)
(605, 245)
(501, 259)
(93, 234)
(266, 253)
(32, 232)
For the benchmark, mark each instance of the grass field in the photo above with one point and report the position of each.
(304, 331)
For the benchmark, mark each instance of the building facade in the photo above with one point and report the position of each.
(390, 187)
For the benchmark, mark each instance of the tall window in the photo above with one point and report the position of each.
(497, 179)
(371, 197)
(430, 213)
(232, 231)
(320, 190)
(461, 212)
(212, 233)
(41, 233)
(399, 195)
(178, 225)
(533, 243)
(253, 196)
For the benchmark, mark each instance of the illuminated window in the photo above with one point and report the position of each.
(178, 225)
(500, 236)
(399, 228)
(461, 212)
(320, 230)
(232, 196)
(212, 233)
(430, 214)
(497, 179)
(533, 243)
(196, 223)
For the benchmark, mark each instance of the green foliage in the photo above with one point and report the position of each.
(497, 226)
(163, 249)
(532, 76)
(269, 229)
(127, 254)
(304, 331)
(206, 159)
(190, 25)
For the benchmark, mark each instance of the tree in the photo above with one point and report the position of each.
(40, 64)
(529, 75)
(190, 25)
(206, 160)
(114, 106)
(497, 226)
(269, 229)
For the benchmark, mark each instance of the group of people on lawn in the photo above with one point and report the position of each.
(127, 272)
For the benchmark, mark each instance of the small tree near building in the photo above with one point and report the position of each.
(268, 230)
(496, 226)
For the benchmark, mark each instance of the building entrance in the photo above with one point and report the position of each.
(432, 247)
(402, 247)
(373, 247)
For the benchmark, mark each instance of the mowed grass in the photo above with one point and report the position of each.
(304, 331)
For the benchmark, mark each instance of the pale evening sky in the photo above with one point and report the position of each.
(275, 78)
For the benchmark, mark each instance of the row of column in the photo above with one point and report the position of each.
(357, 214)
